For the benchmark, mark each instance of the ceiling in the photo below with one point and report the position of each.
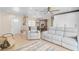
(23, 10)
(65, 9)
(37, 11)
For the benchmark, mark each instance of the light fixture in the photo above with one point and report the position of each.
(16, 9)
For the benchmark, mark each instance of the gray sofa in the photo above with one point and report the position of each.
(63, 36)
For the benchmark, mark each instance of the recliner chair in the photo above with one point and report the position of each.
(33, 33)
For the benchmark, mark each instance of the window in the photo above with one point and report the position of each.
(15, 24)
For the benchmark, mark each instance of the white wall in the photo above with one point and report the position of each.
(0, 24)
(4, 23)
(69, 20)
(7, 24)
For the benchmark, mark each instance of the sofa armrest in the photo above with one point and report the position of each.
(78, 42)
(78, 38)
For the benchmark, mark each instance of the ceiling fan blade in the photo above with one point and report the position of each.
(51, 10)
(55, 10)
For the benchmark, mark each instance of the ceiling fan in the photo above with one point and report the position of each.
(51, 9)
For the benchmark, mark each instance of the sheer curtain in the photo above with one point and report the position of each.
(15, 24)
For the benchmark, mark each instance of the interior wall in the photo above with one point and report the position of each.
(69, 20)
(0, 24)
(77, 17)
(6, 23)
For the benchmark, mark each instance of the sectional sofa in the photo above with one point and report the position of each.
(66, 37)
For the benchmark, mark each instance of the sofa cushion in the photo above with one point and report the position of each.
(45, 32)
(57, 37)
(69, 41)
(69, 46)
(60, 33)
(52, 28)
(70, 34)
(60, 28)
(51, 32)
(70, 29)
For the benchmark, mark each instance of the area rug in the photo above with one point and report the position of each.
(37, 45)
